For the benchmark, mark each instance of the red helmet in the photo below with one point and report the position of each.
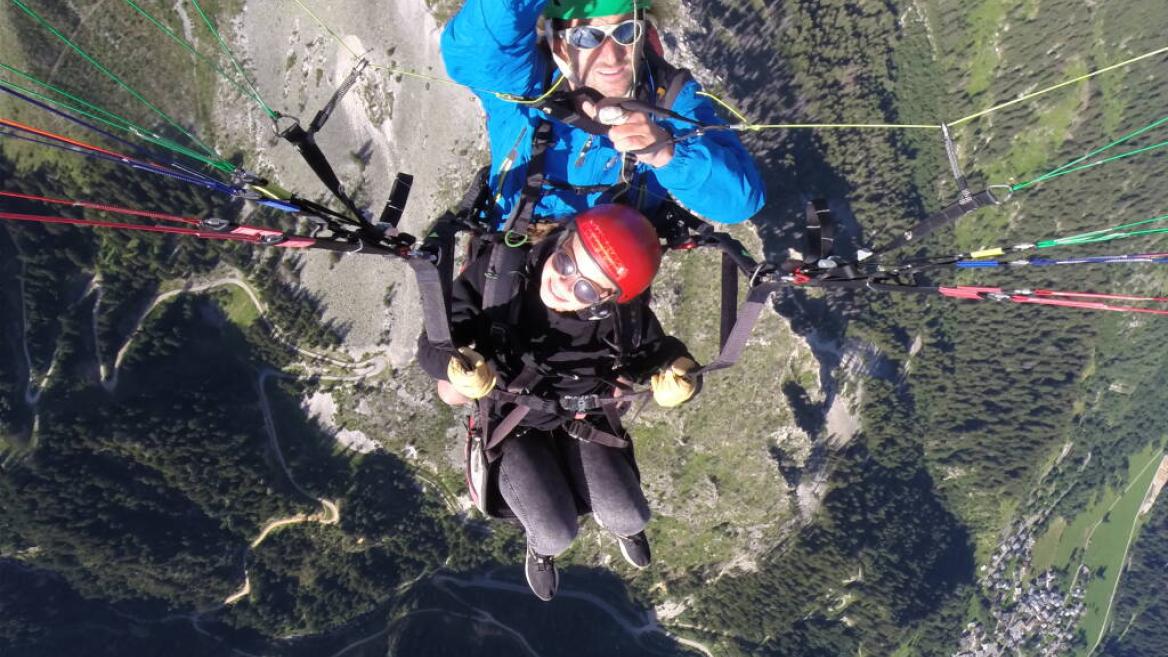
(623, 244)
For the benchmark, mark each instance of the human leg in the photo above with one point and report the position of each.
(605, 477)
(534, 486)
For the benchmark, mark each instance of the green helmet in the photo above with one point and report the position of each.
(569, 9)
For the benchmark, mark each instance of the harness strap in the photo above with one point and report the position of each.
(315, 158)
(729, 299)
(820, 231)
(944, 217)
(326, 112)
(434, 271)
(506, 426)
(747, 317)
(587, 432)
(305, 143)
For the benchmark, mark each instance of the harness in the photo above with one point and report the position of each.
(563, 107)
(507, 275)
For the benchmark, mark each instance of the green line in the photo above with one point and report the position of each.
(1125, 138)
(200, 56)
(1113, 158)
(87, 109)
(227, 50)
(124, 126)
(59, 91)
(206, 149)
(1106, 234)
(1107, 238)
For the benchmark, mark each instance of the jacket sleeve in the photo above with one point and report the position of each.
(712, 175)
(657, 349)
(490, 45)
(466, 320)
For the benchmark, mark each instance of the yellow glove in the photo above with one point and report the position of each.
(671, 386)
(474, 382)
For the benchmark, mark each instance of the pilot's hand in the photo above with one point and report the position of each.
(633, 131)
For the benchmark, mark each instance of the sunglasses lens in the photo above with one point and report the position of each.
(627, 33)
(585, 37)
(586, 292)
(563, 264)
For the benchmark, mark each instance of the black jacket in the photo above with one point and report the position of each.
(576, 356)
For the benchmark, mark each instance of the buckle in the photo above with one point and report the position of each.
(578, 429)
(580, 403)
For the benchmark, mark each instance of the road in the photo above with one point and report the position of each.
(329, 513)
(636, 631)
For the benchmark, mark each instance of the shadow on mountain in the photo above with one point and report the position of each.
(495, 614)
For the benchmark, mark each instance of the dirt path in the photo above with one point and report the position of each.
(329, 513)
(365, 369)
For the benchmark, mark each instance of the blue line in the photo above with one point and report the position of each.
(140, 150)
(202, 182)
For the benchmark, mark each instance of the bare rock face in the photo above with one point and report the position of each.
(401, 115)
(728, 476)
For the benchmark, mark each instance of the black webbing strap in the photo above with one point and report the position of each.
(564, 107)
(943, 218)
(820, 231)
(530, 401)
(434, 268)
(305, 143)
(507, 261)
(435, 303)
(506, 426)
(533, 185)
(325, 112)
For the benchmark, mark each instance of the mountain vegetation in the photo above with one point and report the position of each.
(132, 493)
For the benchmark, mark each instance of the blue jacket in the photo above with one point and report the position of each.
(490, 46)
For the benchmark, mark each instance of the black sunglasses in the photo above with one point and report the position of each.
(585, 291)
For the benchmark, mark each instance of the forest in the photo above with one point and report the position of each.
(129, 510)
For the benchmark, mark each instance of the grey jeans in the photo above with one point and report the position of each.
(540, 490)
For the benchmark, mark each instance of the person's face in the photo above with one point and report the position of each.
(607, 68)
(569, 292)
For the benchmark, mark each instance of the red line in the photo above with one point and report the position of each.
(1095, 295)
(1086, 305)
(248, 234)
(74, 142)
(12, 216)
(104, 208)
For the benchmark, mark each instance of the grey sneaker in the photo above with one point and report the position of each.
(635, 549)
(542, 576)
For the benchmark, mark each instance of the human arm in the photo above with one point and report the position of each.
(490, 45)
(663, 361)
(712, 175)
(466, 319)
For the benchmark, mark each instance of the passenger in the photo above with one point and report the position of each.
(582, 326)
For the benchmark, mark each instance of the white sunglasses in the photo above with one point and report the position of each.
(587, 37)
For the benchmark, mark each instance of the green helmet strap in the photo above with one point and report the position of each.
(569, 9)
